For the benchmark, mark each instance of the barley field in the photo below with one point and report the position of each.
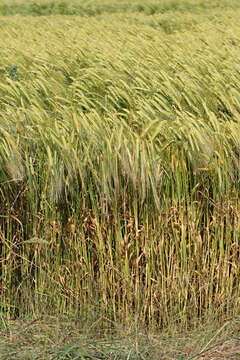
(120, 155)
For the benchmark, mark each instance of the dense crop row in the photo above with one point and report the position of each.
(119, 152)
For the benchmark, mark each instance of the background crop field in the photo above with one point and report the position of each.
(119, 161)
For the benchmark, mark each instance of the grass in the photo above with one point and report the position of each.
(99, 7)
(119, 153)
(52, 338)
